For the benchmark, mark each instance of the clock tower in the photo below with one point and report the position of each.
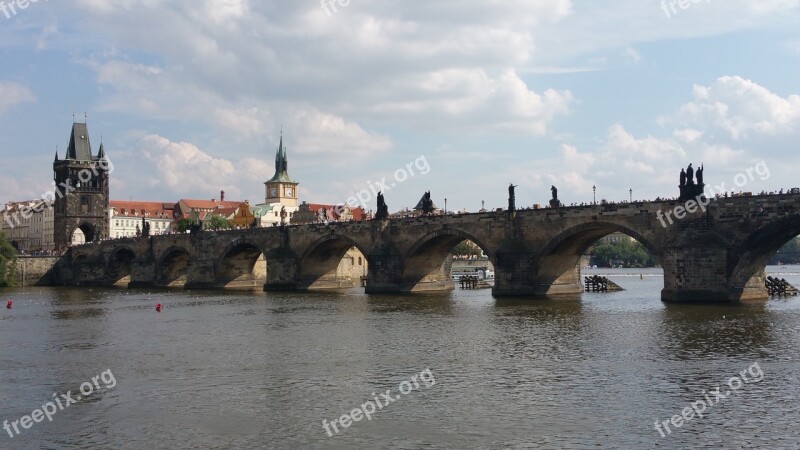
(281, 188)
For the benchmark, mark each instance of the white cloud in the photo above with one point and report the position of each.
(333, 138)
(740, 108)
(182, 167)
(13, 94)
(241, 122)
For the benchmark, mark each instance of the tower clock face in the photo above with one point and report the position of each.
(289, 192)
(273, 192)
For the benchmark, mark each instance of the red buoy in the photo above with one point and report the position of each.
(10, 304)
(158, 307)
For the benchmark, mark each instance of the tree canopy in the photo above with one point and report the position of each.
(466, 249)
(788, 254)
(216, 222)
(7, 256)
(625, 253)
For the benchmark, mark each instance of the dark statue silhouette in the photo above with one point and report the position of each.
(689, 190)
(382, 212)
(511, 198)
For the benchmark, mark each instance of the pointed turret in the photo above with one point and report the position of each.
(102, 153)
(281, 166)
(56, 160)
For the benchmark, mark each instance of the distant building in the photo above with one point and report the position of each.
(615, 237)
(239, 217)
(125, 217)
(190, 209)
(321, 213)
(17, 223)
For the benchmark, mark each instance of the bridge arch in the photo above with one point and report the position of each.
(557, 266)
(584, 235)
(241, 265)
(172, 267)
(83, 234)
(426, 264)
(119, 265)
(748, 261)
(330, 263)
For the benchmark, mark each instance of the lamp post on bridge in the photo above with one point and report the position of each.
(594, 194)
(445, 206)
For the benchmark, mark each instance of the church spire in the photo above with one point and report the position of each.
(281, 165)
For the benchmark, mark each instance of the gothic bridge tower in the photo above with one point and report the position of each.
(81, 204)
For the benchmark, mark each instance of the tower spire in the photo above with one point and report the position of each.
(281, 163)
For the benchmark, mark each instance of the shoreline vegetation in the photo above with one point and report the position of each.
(7, 256)
(632, 254)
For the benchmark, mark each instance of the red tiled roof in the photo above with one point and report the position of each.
(209, 204)
(149, 209)
(358, 213)
(226, 211)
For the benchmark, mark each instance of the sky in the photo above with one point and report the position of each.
(459, 98)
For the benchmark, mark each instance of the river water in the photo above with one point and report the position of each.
(219, 369)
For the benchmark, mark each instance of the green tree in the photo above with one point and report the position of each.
(465, 249)
(625, 253)
(183, 225)
(7, 256)
(788, 254)
(216, 222)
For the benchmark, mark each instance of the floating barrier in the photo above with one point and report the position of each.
(596, 283)
(779, 287)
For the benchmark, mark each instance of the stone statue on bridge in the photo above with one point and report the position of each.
(382, 212)
(283, 215)
(511, 198)
(554, 202)
(688, 188)
(427, 204)
(145, 228)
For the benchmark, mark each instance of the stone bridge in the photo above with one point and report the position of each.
(714, 254)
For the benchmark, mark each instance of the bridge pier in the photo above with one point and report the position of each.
(142, 274)
(696, 271)
(281, 271)
(387, 274)
(520, 274)
(200, 274)
(754, 290)
(512, 276)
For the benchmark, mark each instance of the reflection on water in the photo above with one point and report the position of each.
(221, 369)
